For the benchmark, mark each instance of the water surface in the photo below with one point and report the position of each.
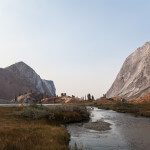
(127, 132)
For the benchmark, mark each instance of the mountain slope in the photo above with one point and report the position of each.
(20, 78)
(133, 79)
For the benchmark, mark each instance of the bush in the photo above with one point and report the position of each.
(34, 114)
(69, 114)
(63, 114)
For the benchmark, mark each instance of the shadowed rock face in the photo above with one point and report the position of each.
(133, 79)
(20, 78)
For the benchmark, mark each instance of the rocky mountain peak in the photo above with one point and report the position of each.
(20, 78)
(20, 66)
(133, 79)
(20, 63)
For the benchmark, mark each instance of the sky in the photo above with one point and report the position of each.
(79, 44)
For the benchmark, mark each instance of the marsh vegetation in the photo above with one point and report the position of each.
(38, 127)
(142, 109)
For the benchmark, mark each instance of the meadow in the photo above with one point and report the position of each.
(38, 127)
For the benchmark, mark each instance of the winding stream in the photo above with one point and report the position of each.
(127, 132)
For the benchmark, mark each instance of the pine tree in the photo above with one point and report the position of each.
(89, 96)
(93, 97)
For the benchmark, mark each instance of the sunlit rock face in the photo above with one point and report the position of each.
(133, 79)
(20, 78)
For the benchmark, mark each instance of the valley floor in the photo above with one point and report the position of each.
(19, 130)
(21, 134)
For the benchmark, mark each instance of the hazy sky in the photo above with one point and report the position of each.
(79, 44)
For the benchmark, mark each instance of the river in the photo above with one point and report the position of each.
(127, 132)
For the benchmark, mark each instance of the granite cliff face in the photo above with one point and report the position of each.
(20, 78)
(133, 79)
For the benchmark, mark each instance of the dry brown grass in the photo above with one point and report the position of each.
(139, 109)
(142, 99)
(21, 134)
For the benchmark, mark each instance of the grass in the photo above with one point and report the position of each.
(59, 114)
(142, 109)
(69, 113)
(37, 127)
(21, 134)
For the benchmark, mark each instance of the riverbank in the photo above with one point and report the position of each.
(142, 109)
(38, 127)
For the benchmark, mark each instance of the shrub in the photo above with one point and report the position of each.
(63, 114)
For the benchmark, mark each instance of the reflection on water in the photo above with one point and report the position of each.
(127, 133)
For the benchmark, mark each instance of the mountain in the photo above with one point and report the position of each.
(133, 79)
(20, 78)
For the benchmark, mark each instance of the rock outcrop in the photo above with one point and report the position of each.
(19, 78)
(133, 79)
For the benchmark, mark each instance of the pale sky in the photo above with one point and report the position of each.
(79, 44)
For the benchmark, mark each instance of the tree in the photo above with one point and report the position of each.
(89, 96)
(15, 98)
(93, 97)
(104, 95)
